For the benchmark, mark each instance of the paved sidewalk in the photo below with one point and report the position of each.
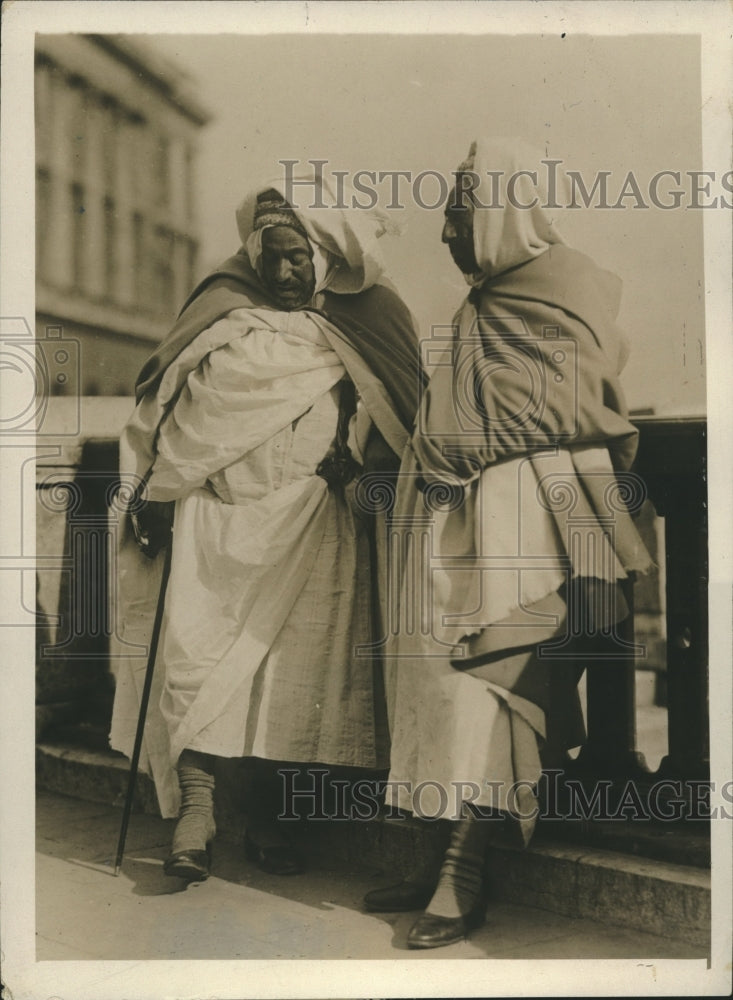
(84, 912)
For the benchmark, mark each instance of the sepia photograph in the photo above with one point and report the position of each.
(366, 477)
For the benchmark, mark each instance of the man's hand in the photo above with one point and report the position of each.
(337, 470)
(152, 527)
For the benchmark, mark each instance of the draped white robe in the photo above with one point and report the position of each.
(268, 601)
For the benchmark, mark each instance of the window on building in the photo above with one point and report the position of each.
(43, 106)
(43, 220)
(139, 259)
(110, 248)
(79, 122)
(110, 123)
(165, 287)
(136, 154)
(162, 171)
(79, 232)
(189, 177)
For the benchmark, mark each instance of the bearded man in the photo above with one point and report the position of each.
(290, 368)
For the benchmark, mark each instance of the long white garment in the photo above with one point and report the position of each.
(455, 736)
(268, 597)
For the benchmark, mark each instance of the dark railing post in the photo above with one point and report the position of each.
(610, 751)
(79, 655)
(672, 461)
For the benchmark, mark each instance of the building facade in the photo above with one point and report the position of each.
(117, 133)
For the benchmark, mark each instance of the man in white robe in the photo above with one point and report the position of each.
(247, 419)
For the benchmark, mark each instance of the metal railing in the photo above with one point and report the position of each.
(672, 463)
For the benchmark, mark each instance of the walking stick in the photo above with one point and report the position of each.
(143, 707)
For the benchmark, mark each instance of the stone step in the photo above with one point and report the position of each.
(616, 888)
(91, 775)
(644, 894)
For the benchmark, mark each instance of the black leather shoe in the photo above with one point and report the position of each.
(193, 866)
(432, 931)
(277, 859)
(399, 898)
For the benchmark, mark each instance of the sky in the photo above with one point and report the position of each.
(408, 102)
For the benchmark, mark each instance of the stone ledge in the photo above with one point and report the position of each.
(91, 775)
(618, 889)
(639, 893)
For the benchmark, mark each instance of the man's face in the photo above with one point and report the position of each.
(287, 267)
(458, 229)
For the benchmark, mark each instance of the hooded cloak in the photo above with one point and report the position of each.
(513, 497)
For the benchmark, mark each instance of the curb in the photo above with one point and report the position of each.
(657, 897)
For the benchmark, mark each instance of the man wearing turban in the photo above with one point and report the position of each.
(290, 367)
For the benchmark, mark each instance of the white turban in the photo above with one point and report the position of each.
(346, 256)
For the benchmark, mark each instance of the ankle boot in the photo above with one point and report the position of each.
(190, 852)
(458, 904)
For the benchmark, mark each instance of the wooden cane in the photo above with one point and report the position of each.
(143, 707)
